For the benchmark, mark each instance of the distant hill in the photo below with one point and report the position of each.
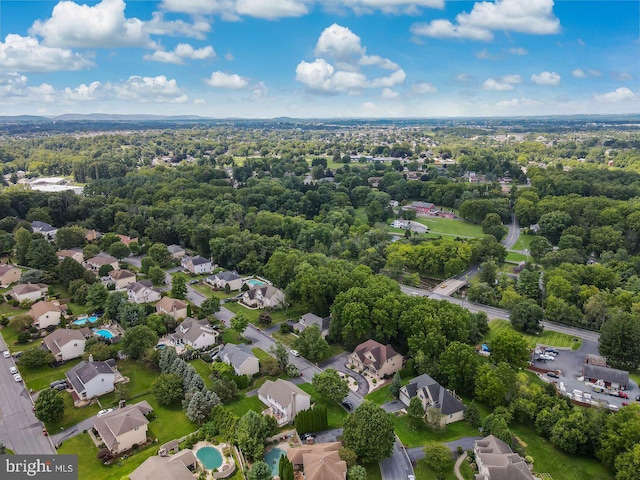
(75, 117)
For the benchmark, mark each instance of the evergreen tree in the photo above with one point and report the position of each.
(394, 387)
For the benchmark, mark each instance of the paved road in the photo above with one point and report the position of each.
(418, 227)
(20, 430)
(135, 261)
(513, 234)
(71, 432)
(397, 466)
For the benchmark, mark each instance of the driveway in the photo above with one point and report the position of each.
(397, 466)
(327, 436)
(393, 406)
(71, 432)
(339, 363)
(417, 453)
(20, 430)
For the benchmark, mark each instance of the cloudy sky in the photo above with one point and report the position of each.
(320, 58)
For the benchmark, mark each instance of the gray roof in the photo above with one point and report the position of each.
(61, 337)
(86, 371)
(121, 421)
(175, 249)
(42, 226)
(443, 399)
(605, 373)
(192, 329)
(227, 276)
(142, 285)
(236, 354)
(198, 260)
(280, 391)
(500, 460)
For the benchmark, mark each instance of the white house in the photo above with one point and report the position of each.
(125, 427)
(65, 344)
(197, 265)
(433, 395)
(194, 333)
(121, 278)
(241, 358)
(45, 229)
(92, 379)
(309, 319)
(176, 308)
(283, 399)
(100, 260)
(222, 279)
(29, 291)
(143, 292)
(262, 297)
(72, 253)
(46, 314)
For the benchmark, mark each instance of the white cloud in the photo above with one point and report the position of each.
(199, 101)
(389, 94)
(622, 93)
(411, 7)
(344, 48)
(518, 102)
(233, 9)
(182, 51)
(584, 73)
(578, 73)
(93, 91)
(26, 54)
(483, 54)
(150, 89)
(229, 57)
(158, 26)
(503, 83)
(260, 91)
(546, 78)
(423, 88)
(621, 76)
(594, 73)
(101, 26)
(462, 77)
(531, 16)
(518, 51)
(228, 81)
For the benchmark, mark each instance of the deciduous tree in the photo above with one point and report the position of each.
(137, 340)
(167, 389)
(367, 422)
(49, 406)
(330, 385)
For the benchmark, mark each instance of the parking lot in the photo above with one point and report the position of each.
(569, 363)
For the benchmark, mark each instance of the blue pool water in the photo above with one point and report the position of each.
(255, 283)
(272, 457)
(210, 457)
(104, 333)
(83, 321)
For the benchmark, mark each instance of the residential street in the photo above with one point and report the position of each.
(512, 235)
(397, 466)
(20, 430)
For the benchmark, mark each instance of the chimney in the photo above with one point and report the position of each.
(293, 405)
(90, 358)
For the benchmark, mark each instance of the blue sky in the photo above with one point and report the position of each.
(312, 58)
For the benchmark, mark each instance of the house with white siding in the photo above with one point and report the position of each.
(65, 344)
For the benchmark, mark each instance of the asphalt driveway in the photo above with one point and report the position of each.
(339, 363)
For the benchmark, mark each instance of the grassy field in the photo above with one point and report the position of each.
(448, 226)
(361, 216)
(423, 472)
(420, 435)
(204, 370)
(261, 354)
(231, 336)
(561, 466)
(335, 413)
(242, 404)
(40, 377)
(373, 471)
(547, 338)
(515, 257)
(380, 396)
(524, 242)
(72, 415)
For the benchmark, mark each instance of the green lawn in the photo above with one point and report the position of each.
(380, 396)
(171, 422)
(515, 257)
(9, 311)
(635, 376)
(561, 466)
(10, 336)
(231, 336)
(416, 436)
(373, 471)
(72, 415)
(204, 369)
(466, 471)
(261, 354)
(236, 308)
(548, 338)
(423, 472)
(449, 226)
(242, 404)
(335, 413)
(287, 338)
(361, 216)
(523, 242)
(40, 377)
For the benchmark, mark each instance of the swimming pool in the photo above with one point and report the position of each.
(83, 321)
(210, 457)
(255, 283)
(272, 457)
(104, 333)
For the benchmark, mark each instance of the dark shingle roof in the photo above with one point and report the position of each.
(605, 373)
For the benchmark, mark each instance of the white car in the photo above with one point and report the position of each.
(105, 411)
(13, 370)
(295, 353)
(17, 377)
(6, 354)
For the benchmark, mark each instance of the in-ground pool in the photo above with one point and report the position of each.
(210, 457)
(104, 333)
(255, 283)
(83, 321)
(272, 457)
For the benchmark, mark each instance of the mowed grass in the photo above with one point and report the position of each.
(560, 465)
(423, 472)
(41, 377)
(449, 226)
(516, 257)
(547, 338)
(523, 242)
(72, 415)
(373, 471)
(416, 436)
(335, 413)
(204, 370)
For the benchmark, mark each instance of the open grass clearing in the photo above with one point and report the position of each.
(231, 336)
(561, 466)
(424, 472)
(416, 436)
(204, 370)
(72, 415)
(242, 404)
(449, 226)
(373, 471)
(10, 336)
(547, 338)
(523, 242)
(515, 257)
(41, 377)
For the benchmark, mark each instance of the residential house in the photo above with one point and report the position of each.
(100, 260)
(197, 265)
(611, 377)
(319, 462)
(65, 344)
(9, 275)
(496, 461)
(404, 224)
(241, 358)
(309, 319)
(262, 297)
(73, 253)
(121, 278)
(433, 395)
(222, 279)
(125, 427)
(90, 379)
(92, 235)
(423, 208)
(283, 399)
(176, 308)
(143, 292)
(127, 240)
(45, 229)
(176, 251)
(30, 292)
(46, 314)
(179, 466)
(194, 333)
(377, 359)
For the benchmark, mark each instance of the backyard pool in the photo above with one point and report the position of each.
(83, 321)
(210, 457)
(272, 457)
(255, 283)
(104, 333)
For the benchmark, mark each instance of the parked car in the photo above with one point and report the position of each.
(622, 394)
(295, 353)
(105, 411)
(57, 382)
(624, 404)
(61, 386)
(551, 351)
(193, 282)
(6, 354)
(553, 375)
(637, 398)
(13, 370)
(550, 358)
(347, 404)
(17, 377)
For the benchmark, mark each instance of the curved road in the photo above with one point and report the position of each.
(513, 234)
